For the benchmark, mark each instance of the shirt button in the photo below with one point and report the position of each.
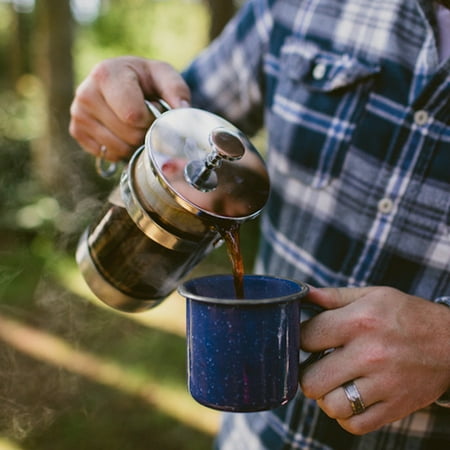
(319, 71)
(385, 205)
(421, 117)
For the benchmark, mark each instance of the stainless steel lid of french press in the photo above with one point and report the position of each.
(208, 166)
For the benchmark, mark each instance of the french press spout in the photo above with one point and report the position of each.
(195, 173)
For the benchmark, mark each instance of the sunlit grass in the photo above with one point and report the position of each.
(174, 401)
(6, 19)
(167, 395)
(123, 364)
(6, 444)
(48, 327)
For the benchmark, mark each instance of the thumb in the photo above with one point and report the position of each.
(162, 80)
(332, 298)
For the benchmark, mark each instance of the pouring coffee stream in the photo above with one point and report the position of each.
(232, 238)
(191, 186)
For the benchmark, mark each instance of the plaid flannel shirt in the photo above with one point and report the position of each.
(357, 109)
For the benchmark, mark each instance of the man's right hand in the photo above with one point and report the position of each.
(108, 110)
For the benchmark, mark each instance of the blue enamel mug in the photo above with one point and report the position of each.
(243, 354)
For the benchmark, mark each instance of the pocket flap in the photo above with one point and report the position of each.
(322, 70)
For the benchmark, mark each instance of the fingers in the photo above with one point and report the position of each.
(109, 109)
(331, 298)
(337, 405)
(372, 419)
(166, 83)
(102, 129)
(117, 85)
(336, 368)
(358, 312)
(376, 338)
(377, 411)
(97, 119)
(333, 329)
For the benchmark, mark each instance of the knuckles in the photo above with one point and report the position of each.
(308, 389)
(308, 383)
(100, 73)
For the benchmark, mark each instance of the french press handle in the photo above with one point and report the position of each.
(107, 169)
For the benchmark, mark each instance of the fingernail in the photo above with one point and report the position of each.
(184, 104)
(311, 287)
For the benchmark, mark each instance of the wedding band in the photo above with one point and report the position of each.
(354, 397)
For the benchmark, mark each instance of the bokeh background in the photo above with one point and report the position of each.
(73, 373)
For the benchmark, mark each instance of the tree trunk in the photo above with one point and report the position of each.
(221, 13)
(19, 54)
(54, 152)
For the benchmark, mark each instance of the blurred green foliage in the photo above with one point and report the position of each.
(44, 406)
(169, 30)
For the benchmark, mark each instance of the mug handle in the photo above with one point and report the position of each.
(107, 169)
(313, 357)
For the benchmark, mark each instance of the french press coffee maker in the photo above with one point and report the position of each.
(195, 174)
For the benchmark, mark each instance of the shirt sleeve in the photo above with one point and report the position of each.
(444, 400)
(227, 77)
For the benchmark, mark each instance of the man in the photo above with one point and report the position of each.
(355, 97)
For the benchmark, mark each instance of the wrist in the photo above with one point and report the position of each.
(444, 400)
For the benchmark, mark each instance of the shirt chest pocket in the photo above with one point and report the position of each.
(317, 102)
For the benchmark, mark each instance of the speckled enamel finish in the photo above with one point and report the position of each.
(243, 355)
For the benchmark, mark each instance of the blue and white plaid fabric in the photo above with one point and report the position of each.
(357, 109)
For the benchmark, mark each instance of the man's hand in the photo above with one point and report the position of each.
(393, 346)
(109, 110)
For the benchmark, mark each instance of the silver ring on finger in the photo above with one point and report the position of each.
(354, 397)
(104, 168)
